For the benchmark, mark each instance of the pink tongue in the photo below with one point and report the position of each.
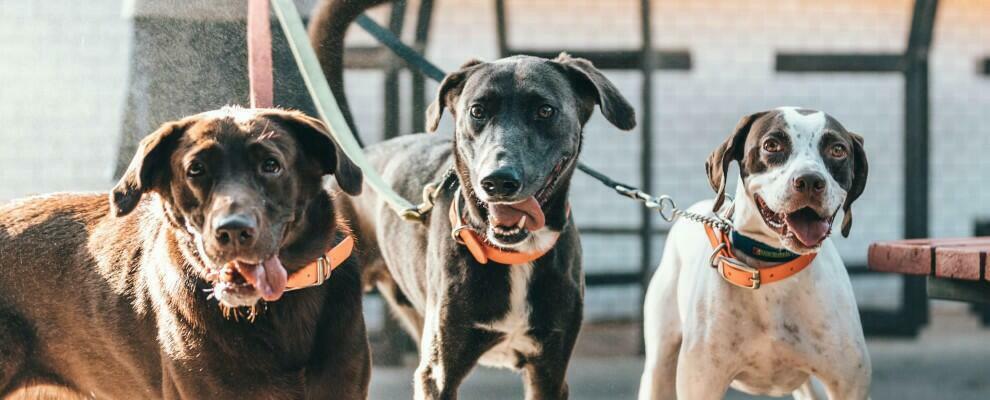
(269, 278)
(508, 215)
(809, 230)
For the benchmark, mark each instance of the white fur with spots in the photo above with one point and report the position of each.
(800, 336)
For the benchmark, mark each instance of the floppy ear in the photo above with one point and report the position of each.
(592, 82)
(860, 170)
(316, 140)
(447, 94)
(718, 162)
(147, 169)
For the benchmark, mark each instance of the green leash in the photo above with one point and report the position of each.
(329, 111)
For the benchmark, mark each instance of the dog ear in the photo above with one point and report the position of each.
(316, 140)
(860, 170)
(147, 168)
(447, 94)
(590, 80)
(718, 162)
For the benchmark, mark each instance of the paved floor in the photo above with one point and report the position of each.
(950, 360)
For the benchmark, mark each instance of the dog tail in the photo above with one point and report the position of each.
(326, 31)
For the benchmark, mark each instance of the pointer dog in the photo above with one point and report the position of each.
(112, 299)
(703, 334)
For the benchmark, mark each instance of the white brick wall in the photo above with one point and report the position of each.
(63, 67)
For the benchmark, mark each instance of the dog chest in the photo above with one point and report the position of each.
(514, 325)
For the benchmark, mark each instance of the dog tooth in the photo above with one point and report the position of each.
(522, 222)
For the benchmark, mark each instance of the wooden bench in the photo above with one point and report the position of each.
(956, 268)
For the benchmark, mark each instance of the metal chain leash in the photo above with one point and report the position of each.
(668, 209)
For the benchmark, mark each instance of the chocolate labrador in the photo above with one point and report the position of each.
(178, 286)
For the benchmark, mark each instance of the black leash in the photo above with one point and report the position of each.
(424, 66)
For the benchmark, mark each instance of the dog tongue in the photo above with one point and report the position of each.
(269, 278)
(808, 227)
(510, 214)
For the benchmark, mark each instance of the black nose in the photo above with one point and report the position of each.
(236, 230)
(809, 183)
(504, 181)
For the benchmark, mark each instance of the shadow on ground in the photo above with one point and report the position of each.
(950, 360)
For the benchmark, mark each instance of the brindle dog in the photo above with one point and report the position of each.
(115, 299)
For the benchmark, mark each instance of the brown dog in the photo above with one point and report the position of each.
(119, 299)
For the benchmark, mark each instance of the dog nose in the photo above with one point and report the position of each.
(502, 182)
(237, 230)
(809, 183)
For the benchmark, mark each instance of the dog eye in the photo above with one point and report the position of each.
(478, 112)
(195, 169)
(838, 151)
(270, 166)
(545, 112)
(772, 146)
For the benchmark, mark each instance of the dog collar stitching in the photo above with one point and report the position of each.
(317, 272)
(759, 250)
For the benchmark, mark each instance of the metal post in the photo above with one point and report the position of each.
(395, 340)
(646, 155)
(392, 107)
(500, 34)
(419, 99)
(916, 140)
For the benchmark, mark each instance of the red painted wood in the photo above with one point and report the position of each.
(259, 38)
(955, 258)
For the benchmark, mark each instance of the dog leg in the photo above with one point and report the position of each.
(544, 375)
(698, 377)
(401, 307)
(448, 352)
(662, 330)
(849, 379)
(853, 387)
(544, 379)
(659, 381)
(810, 390)
(14, 339)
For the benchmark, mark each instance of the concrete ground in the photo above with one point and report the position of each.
(950, 360)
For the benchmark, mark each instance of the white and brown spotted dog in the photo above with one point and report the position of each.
(798, 167)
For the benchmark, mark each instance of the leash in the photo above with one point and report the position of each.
(261, 89)
(329, 110)
(729, 267)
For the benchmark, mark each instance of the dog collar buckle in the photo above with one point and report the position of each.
(319, 271)
(323, 270)
(740, 274)
(754, 274)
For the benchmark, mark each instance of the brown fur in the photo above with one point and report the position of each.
(112, 305)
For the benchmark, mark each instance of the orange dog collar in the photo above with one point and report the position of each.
(317, 272)
(738, 273)
(479, 248)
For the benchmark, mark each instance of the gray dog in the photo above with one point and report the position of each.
(493, 275)
(518, 133)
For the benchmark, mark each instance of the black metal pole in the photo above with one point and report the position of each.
(392, 105)
(419, 100)
(646, 155)
(500, 34)
(916, 146)
(395, 341)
